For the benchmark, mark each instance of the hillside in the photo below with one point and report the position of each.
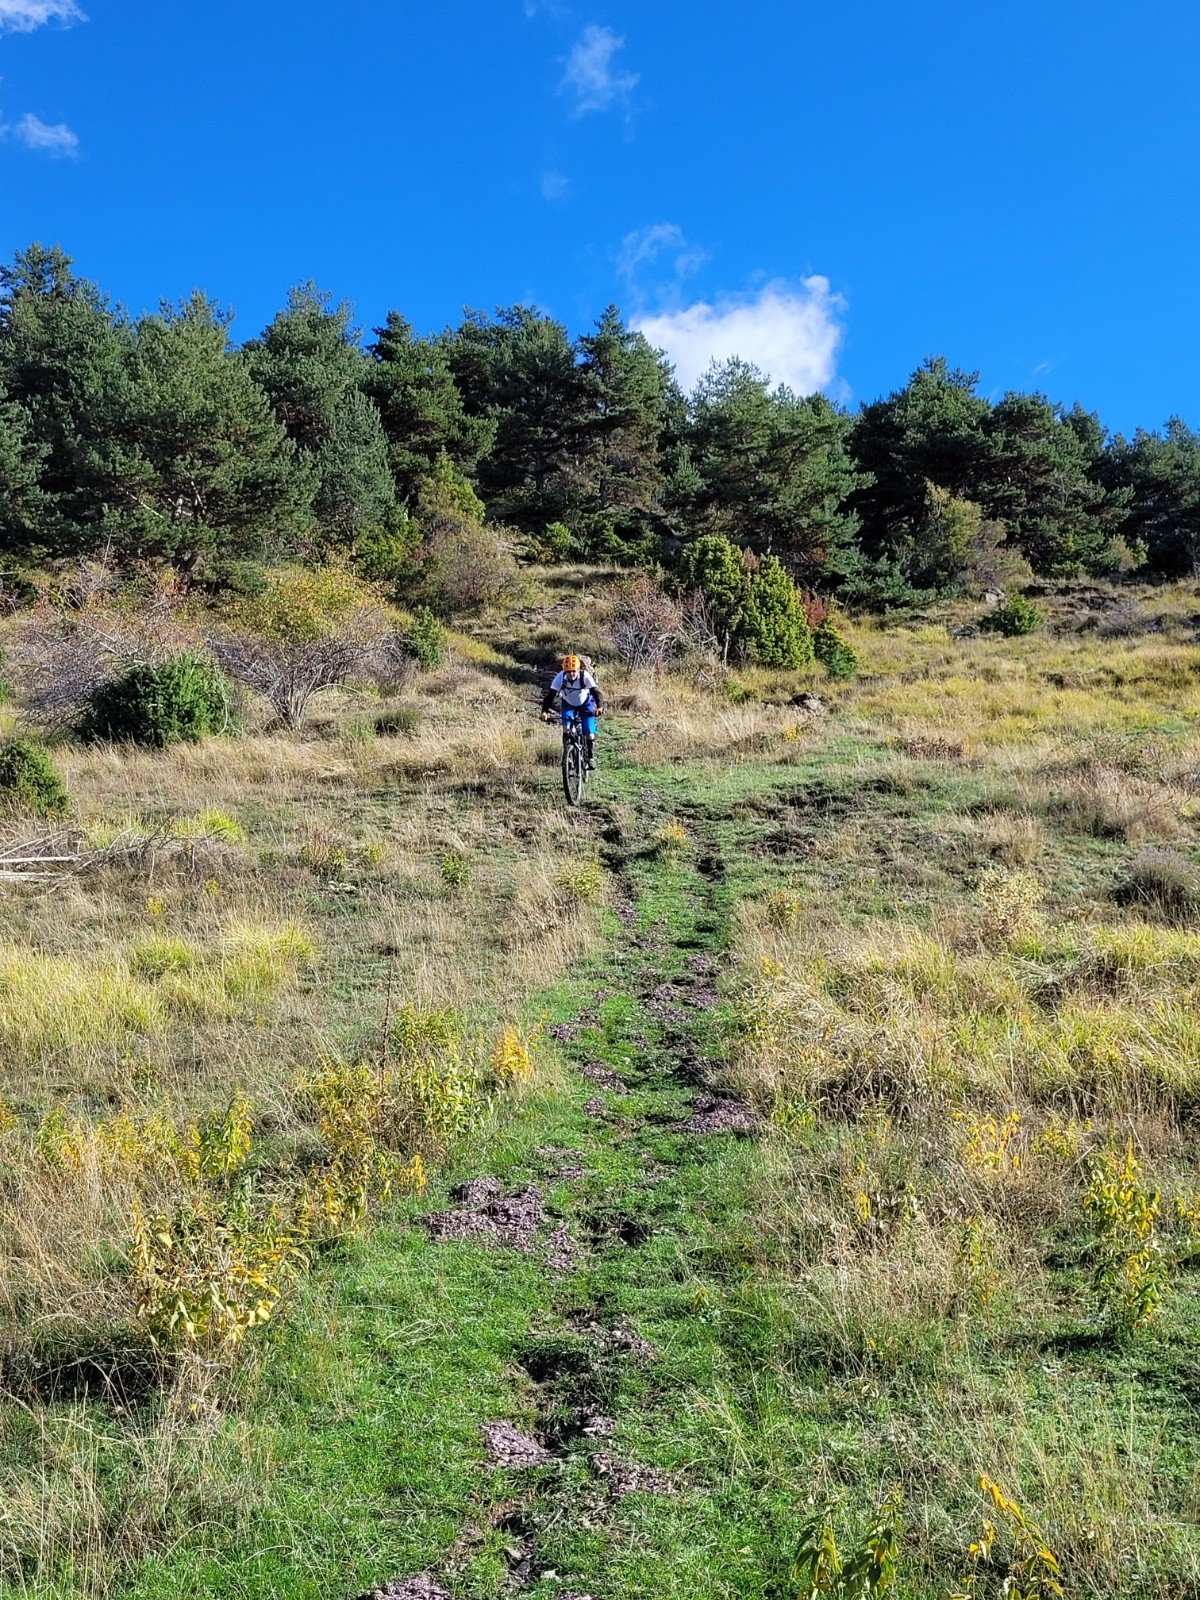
(409, 1179)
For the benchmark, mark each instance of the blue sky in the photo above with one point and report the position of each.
(836, 190)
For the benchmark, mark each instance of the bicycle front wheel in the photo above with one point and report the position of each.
(572, 771)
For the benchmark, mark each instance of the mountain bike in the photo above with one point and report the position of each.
(574, 761)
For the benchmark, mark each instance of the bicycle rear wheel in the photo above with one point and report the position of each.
(572, 771)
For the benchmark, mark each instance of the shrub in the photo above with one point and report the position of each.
(646, 623)
(1013, 617)
(714, 569)
(464, 566)
(207, 1272)
(428, 639)
(511, 1060)
(5, 685)
(583, 880)
(1017, 1549)
(553, 545)
(784, 910)
(835, 654)
(29, 782)
(775, 626)
(385, 555)
(454, 865)
(184, 698)
(307, 631)
(362, 1130)
(1129, 1274)
(867, 1571)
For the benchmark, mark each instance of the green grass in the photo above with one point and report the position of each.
(353, 1453)
(348, 1450)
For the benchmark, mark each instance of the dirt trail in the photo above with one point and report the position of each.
(645, 1070)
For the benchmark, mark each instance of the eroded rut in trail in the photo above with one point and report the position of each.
(575, 1369)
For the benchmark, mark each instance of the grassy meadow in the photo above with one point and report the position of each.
(854, 1058)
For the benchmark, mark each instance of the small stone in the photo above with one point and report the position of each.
(422, 1587)
(631, 1477)
(509, 1447)
(719, 1114)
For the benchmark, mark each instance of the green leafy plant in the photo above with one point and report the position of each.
(869, 1570)
(835, 654)
(1018, 1551)
(1013, 617)
(1130, 1273)
(454, 865)
(428, 639)
(554, 544)
(29, 781)
(159, 705)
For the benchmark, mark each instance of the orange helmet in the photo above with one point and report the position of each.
(571, 664)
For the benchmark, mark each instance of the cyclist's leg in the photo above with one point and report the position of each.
(589, 734)
(568, 717)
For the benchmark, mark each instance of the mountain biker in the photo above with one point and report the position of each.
(579, 695)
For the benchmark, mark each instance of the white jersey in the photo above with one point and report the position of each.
(575, 691)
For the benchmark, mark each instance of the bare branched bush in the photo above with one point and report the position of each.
(61, 654)
(393, 665)
(307, 632)
(287, 675)
(647, 623)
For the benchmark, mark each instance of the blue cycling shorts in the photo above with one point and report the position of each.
(586, 715)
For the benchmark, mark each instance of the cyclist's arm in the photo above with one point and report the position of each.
(551, 694)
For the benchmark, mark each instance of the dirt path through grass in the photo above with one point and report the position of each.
(602, 1472)
(628, 1346)
(536, 1381)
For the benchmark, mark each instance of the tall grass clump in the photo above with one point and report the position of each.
(72, 1006)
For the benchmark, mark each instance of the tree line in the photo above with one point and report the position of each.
(156, 440)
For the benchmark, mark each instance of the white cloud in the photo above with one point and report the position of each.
(590, 75)
(791, 334)
(23, 16)
(49, 138)
(555, 186)
(644, 247)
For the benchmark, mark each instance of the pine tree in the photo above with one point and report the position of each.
(354, 488)
(422, 412)
(308, 362)
(769, 469)
(1157, 476)
(64, 360)
(201, 470)
(774, 623)
(519, 370)
(625, 385)
(23, 506)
